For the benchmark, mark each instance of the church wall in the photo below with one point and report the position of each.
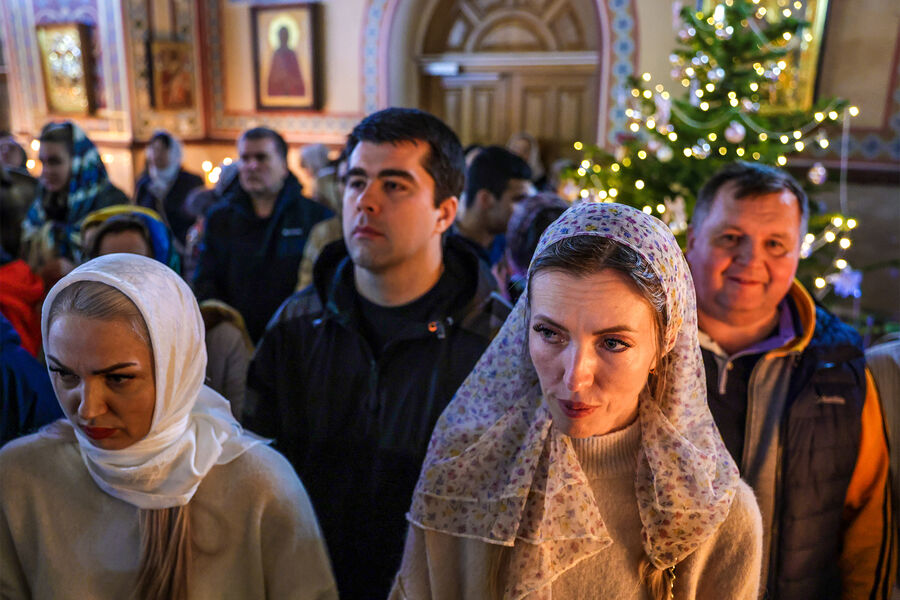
(365, 65)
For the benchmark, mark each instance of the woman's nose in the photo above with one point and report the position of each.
(91, 404)
(579, 367)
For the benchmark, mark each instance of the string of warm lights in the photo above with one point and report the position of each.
(724, 115)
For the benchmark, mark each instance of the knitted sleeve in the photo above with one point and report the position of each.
(729, 564)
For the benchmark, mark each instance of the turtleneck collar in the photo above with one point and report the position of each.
(610, 454)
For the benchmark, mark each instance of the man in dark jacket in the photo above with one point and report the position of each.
(788, 387)
(496, 181)
(255, 236)
(354, 370)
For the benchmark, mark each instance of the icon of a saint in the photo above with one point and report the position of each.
(285, 78)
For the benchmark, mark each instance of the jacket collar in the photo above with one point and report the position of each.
(334, 284)
(806, 312)
(291, 188)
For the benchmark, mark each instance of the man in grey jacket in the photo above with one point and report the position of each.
(788, 387)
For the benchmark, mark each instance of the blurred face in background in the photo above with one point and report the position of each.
(261, 169)
(501, 209)
(56, 166)
(129, 241)
(158, 154)
(11, 154)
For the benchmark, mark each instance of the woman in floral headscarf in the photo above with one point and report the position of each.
(73, 183)
(579, 459)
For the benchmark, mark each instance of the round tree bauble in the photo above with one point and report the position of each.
(665, 154)
(817, 173)
(735, 132)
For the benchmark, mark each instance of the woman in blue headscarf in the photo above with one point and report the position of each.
(73, 183)
(153, 237)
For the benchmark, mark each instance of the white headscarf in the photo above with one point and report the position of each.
(161, 180)
(192, 428)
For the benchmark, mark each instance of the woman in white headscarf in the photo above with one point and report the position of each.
(165, 185)
(148, 488)
(579, 459)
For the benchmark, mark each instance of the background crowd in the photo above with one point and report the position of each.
(341, 325)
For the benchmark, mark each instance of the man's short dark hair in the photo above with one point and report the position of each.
(492, 169)
(444, 161)
(749, 179)
(264, 133)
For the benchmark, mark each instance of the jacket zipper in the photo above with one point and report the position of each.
(776, 498)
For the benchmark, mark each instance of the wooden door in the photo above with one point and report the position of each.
(557, 109)
(492, 68)
(473, 105)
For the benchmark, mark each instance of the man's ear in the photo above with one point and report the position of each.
(690, 239)
(446, 213)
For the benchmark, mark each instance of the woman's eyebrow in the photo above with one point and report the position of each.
(604, 331)
(103, 371)
(114, 367)
(58, 362)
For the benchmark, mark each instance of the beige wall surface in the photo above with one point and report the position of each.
(859, 55)
(338, 61)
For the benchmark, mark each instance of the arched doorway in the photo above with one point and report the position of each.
(491, 68)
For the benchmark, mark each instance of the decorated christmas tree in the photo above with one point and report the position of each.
(730, 67)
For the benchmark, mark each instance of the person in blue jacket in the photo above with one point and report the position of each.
(26, 396)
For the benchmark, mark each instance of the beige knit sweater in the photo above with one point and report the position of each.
(254, 531)
(444, 567)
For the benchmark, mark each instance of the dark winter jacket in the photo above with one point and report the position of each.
(250, 262)
(27, 401)
(354, 426)
(172, 206)
(814, 451)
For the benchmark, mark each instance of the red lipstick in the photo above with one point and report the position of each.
(98, 433)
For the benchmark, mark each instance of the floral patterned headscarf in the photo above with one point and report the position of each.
(497, 470)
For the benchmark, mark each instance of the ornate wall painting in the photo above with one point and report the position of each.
(285, 56)
(173, 75)
(67, 67)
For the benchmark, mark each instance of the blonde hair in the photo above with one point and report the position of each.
(163, 573)
(660, 583)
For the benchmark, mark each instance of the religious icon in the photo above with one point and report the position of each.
(67, 67)
(173, 80)
(284, 51)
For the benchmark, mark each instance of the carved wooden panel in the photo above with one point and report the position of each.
(520, 65)
(512, 26)
(473, 106)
